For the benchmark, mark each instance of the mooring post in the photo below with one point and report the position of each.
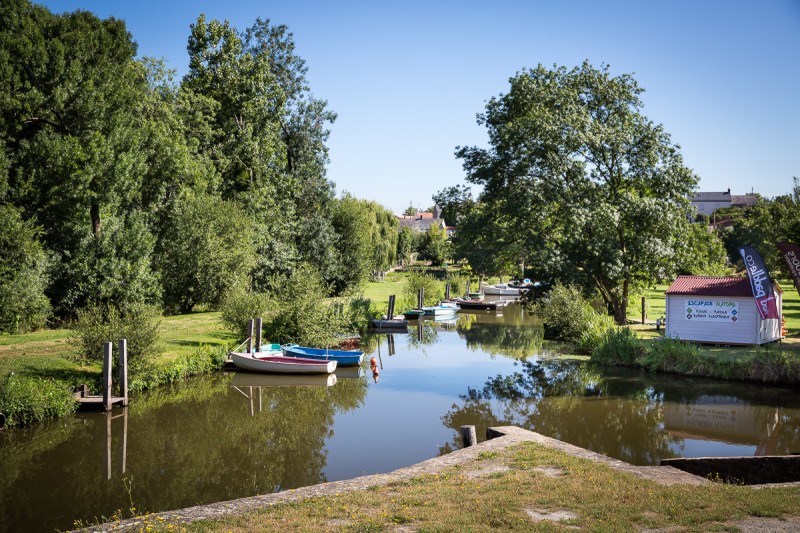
(124, 437)
(2, 420)
(107, 347)
(258, 333)
(468, 436)
(447, 291)
(123, 371)
(250, 335)
(108, 443)
(644, 310)
(468, 284)
(390, 344)
(390, 311)
(421, 297)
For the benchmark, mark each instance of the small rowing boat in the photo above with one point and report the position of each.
(342, 357)
(280, 364)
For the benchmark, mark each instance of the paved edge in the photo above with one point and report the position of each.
(504, 437)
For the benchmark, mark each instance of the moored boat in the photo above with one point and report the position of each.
(502, 289)
(342, 357)
(443, 309)
(253, 379)
(280, 364)
(480, 305)
(388, 324)
(413, 314)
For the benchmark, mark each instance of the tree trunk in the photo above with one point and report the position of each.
(94, 213)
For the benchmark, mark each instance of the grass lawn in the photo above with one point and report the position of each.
(505, 490)
(49, 354)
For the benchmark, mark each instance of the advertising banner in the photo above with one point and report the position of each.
(711, 310)
(791, 254)
(759, 283)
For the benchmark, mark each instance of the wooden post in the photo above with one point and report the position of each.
(447, 291)
(258, 334)
(108, 443)
(107, 347)
(419, 330)
(2, 420)
(644, 310)
(421, 297)
(390, 311)
(250, 335)
(390, 344)
(123, 371)
(468, 436)
(124, 437)
(468, 284)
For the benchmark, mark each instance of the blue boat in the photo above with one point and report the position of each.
(342, 357)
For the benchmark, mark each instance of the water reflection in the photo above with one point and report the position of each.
(638, 418)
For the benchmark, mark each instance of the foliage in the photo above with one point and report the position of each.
(207, 247)
(455, 202)
(240, 305)
(567, 315)
(433, 290)
(298, 312)
(434, 246)
(618, 346)
(23, 304)
(25, 400)
(203, 360)
(98, 324)
(671, 355)
(701, 252)
(578, 183)
(405, 245)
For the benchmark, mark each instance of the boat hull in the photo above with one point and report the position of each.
(280, 364)
(342, 357)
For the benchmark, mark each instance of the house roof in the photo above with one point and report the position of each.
(724, 196)
(421, 224)
(744, 200)
(711, 286)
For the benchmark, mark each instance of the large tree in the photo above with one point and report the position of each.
(580, 182)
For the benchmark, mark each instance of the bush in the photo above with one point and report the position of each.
(25, 400)
(673, 355)
(568, 316)
(434, 291)
(239, 305)
(98, 324)
(202, 361)
(298, 311)
(618, 346)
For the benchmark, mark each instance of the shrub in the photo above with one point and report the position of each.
(567, 315)
(618, 346)
(25, 400)
(98, 324)
(202, 361)
(239, 305)
(673, 355)
(434, 290)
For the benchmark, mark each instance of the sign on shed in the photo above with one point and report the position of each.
(719, 310)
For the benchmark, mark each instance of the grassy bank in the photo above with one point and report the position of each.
(507, 489)
(45, 369)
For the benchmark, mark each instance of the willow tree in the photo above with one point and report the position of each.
(581, 182)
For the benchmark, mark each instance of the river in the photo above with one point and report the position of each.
(231, 435)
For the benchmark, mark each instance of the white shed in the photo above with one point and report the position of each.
(719, 310)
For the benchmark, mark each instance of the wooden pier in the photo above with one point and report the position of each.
(106, 400)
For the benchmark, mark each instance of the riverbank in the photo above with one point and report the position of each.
(521, 481)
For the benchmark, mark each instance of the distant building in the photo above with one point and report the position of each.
(705, 203)
(422, 221)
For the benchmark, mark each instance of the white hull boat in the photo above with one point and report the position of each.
(280, 364)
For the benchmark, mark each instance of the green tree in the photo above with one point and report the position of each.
(581, 184)
(434, 246)
(455, 202)
(207, 248)
(23, 304)
(701, 252)
(405, 245)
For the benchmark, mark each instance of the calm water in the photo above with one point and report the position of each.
(232, 435)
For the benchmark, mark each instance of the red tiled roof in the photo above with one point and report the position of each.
(711, 286)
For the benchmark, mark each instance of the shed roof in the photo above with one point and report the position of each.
(711, 286)
(721, 196)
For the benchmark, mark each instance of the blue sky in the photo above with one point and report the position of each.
(408, 78)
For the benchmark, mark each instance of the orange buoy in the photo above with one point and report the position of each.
(373, 362)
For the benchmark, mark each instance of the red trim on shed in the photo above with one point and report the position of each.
(711, 286)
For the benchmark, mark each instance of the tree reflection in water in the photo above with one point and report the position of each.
(635, 417)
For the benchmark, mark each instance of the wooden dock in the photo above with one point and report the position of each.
(107, 400)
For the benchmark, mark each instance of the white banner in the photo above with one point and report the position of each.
(712, 310)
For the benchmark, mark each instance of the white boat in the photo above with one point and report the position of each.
(280, 364)
(443, 309)
(502, 289)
